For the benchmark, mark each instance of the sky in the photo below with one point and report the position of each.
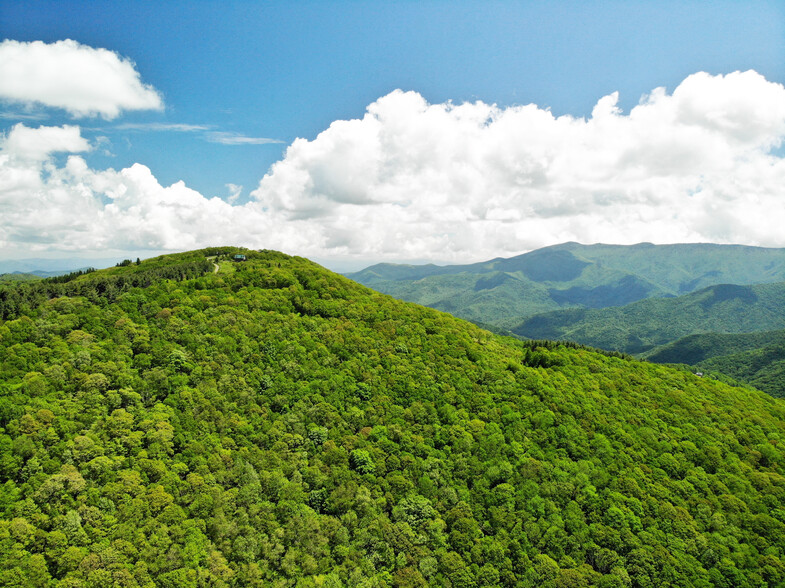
(356, 132)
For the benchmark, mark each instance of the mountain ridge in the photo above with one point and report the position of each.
(573, 275)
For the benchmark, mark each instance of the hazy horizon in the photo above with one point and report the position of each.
(344, 266)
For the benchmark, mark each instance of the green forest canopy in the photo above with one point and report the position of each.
(275, 424)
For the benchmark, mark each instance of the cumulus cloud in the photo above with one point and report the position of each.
(458, 182)
(413, 179)
(24, 143)
(77, 78)
(69, 206)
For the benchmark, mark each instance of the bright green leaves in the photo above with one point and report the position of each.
(362, 461)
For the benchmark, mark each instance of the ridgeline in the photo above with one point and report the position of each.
(505, 291)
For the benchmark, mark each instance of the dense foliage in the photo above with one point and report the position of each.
(503, 292)
(274, 424)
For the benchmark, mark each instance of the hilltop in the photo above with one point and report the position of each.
(273, 423)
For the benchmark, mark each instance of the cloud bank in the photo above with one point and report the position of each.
(82, 80)
(474, 179)
(413, 180)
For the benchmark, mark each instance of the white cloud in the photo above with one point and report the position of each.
(222, 137)
(82, 80)
(174, 127)
(227, 138)
(72, 207)
(413, 180)
(26, 144)
(17, 116)
(235, 192)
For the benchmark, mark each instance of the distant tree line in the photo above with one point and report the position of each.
(553, 344)
(69, 276)
(18, 298)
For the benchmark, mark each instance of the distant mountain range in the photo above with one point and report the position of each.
(18, 277)
(683, 303)
(54, 267)
(502, 292)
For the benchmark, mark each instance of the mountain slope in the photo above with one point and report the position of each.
(642, 325)
(277, 424)
(694, 349)
(755, 358)
(763, 368)
(503, 291)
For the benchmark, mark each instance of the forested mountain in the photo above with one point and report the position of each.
(642, 325)
(695, 349)
(504, 291)
(275, 424)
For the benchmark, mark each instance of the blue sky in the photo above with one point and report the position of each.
(287, 70)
